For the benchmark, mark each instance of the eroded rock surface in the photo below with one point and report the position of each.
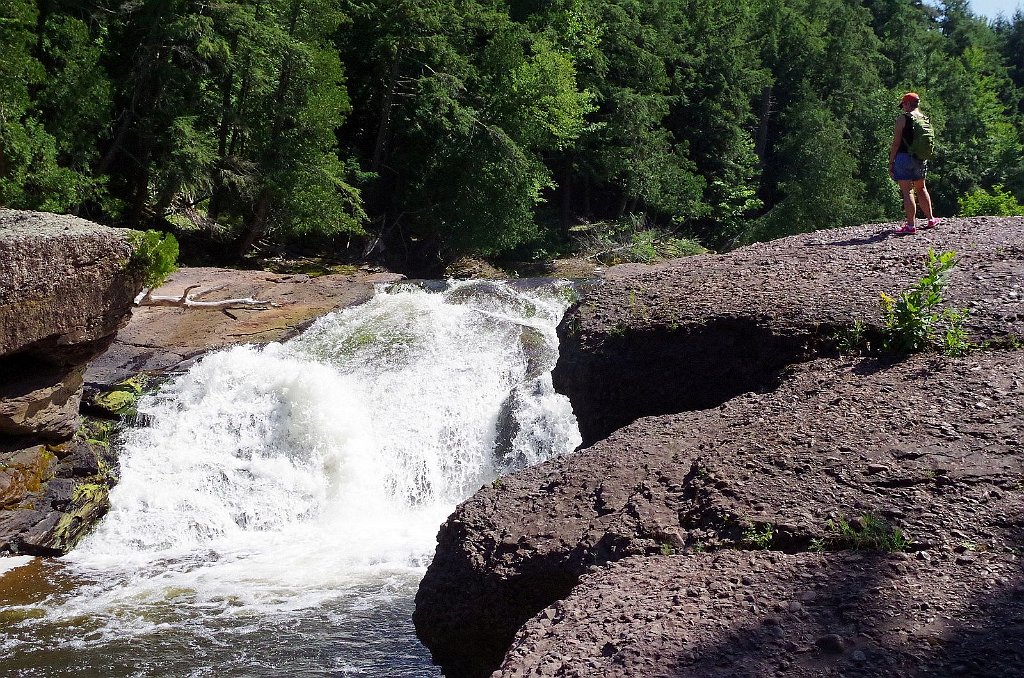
(838, 440)
(791, 452)
(692, 333)
(66, 286)
(758, 613)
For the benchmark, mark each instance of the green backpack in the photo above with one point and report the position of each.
(922, 146)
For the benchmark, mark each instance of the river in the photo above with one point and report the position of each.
(276, 516)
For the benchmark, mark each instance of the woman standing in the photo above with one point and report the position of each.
(908, 171)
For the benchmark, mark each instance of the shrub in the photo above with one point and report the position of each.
(866, 532)
(755, 537)
(999, 202)
(913, 319)
(631, 239)
(156, 254)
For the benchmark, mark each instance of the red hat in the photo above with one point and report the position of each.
(910, 96)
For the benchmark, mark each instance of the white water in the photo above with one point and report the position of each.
(306, 481)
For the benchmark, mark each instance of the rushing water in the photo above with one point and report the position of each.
(277, 515)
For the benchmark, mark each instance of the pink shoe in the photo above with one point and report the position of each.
(932, 223)
(907, 229)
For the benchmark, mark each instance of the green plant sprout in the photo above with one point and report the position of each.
(914, 319)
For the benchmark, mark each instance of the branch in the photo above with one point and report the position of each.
(186, 300)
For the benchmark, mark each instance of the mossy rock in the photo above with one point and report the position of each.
(89, 502)
(121, 398)
(23, 474)
(96, 431)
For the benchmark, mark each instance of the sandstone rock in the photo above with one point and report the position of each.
(42, 402)
(703, 472)
(23, 470)
(159, 338)
(65, 286)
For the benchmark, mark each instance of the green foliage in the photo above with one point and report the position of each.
(955, 341)
(759, 537)
(423, 130)
(851, 340)
(154, 253)
(866, 532)
(632, 239)
(999, 202)
(914, 318)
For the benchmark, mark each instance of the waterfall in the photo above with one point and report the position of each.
(309, 478)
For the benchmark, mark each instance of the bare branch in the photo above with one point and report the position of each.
(186, 300)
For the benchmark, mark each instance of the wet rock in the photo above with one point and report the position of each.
(55, 500)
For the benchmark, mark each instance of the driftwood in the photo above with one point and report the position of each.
(186, 300)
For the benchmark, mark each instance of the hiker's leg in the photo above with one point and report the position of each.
(907, 189)
(926, 200)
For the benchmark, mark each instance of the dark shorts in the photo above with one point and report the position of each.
(909, 168)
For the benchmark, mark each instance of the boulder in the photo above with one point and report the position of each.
(65, 288)
(764, 439)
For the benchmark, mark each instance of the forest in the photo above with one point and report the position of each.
(416, 131)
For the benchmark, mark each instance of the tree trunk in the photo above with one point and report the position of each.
(257, 224)
(122, 131)
(384, 125)
(222, 138)
(761, 146)
(565, 185)
(141, 191)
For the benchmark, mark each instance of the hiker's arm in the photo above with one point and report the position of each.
(897, 136)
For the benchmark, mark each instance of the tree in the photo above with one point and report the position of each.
(30, 177)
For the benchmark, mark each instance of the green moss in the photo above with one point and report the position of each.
(89, 493)
(96, 431)
(89, 501)
(122, 397)
(115, 401)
